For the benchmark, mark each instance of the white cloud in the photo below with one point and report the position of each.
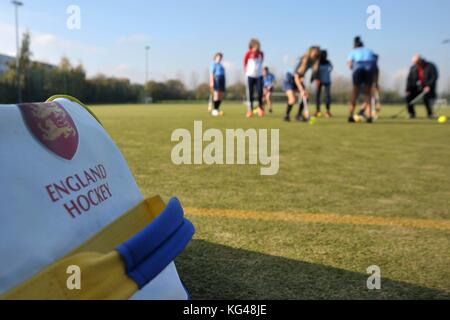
(7, 39)
(122, 68)
(44, 39)
(46, 46)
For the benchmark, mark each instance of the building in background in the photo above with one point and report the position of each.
(5, 60)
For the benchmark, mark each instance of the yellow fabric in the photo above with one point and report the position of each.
(102, 269)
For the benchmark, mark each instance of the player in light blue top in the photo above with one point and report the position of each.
(362, 57)
(269, 85)
(217, 83)
(363, 63)
(217, 68)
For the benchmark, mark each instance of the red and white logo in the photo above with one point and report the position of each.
(52, 125)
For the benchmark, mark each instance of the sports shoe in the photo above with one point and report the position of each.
(261, 112)
(328, 115)
(287, 118)
(249, 114)
(369, 120)
(351, 119)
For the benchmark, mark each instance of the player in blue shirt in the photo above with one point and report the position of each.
(363, 63)
(375, 100)
(269, 85)
(217, 83)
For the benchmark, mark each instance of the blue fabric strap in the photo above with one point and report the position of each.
(151, 250)
(160, 258)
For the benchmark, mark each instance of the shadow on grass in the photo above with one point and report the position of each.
(212, 271)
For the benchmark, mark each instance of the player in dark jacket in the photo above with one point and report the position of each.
(323, 81)
(422, 78)
(294, 83)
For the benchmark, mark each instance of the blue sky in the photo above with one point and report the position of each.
(184, 35)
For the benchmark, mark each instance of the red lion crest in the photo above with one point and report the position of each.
(52, 125)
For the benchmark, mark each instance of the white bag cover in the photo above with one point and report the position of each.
(41, 151)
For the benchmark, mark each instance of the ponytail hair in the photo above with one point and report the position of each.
(358, 42)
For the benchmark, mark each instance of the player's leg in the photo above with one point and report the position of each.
(376, 96)
(220, 92)
(367, 101)
(217, 95)
(290, 89)
(266, 97)
(292, 99)
(216, 99)
(354, 98)
(366, 106)
(375, 93)
(373, 101)
(260, 93)
(358, 80)
(250, 95)
(411, 108)
(301, 108)
(429, 102)
(269, 100)
(328, 100)
(366, 78)
(319, 87)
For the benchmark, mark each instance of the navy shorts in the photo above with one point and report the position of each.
(219, 83)
(289, 83)
(364, 74)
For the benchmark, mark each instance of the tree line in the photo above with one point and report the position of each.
(39, 81)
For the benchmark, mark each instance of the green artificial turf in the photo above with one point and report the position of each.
(393, 168)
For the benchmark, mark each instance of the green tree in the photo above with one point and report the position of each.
(202, 91)
(236, 91)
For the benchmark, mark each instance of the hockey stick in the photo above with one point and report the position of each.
(306, 110)
(414, 101)
(418, 98)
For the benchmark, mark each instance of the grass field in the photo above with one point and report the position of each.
(346, 197)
